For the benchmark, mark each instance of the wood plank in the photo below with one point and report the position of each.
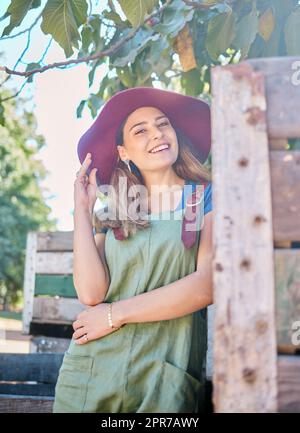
(44, 344)
(54, 262)
(20, 404)
(57, 330)
(56, 310)
(278, 144)
(289, 383)
(285, 181)
(209, 353)
(29, 279)
(287, 280)
(55, 241)
(55, 285)
(24, 367)
(245, 355)
(45, 390)
(282, 80)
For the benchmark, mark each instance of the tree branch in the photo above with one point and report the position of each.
(86, 59)
(23, 31)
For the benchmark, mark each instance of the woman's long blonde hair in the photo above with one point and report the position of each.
(187, 166)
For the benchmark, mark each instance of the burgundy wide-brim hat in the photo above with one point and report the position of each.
(191, 115)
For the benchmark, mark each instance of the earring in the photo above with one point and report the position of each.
(127, 163)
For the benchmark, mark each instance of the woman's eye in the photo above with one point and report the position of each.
(141, 130)
(164, 123)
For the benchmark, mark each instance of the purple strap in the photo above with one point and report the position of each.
(189, 237)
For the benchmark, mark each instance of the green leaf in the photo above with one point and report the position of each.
(126, 76)
(95, 64)
(2, 118)
(17, 11)
(175, 17)
(62, 18)
(136, 11)
(220, 34)
(30, 67)
(115, 18)
(191, 82)
(80, 108)
(246, 32)
(128, 52)
(94, 103)
(291, 33)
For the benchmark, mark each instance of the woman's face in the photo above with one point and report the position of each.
(148, 129)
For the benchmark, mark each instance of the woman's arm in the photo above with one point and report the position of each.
(90, 276)
(184, 296)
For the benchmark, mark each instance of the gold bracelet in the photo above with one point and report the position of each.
(110, 318)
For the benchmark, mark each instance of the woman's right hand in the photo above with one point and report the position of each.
(85, 186)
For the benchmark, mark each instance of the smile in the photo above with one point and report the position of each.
(159, 148)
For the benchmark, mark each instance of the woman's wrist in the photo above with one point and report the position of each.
(118, 316)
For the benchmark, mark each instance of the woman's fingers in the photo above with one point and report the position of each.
(85, 165)
(92, 177)
(79, 333)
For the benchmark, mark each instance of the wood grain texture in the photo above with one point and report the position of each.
(289, 383)
(24, 367)
(21, 404)
(29, 279)
(55, 241)
(282, 82)
(58, 310)
(245, 356)
(285, 181)
(60, 262)
(287, 278)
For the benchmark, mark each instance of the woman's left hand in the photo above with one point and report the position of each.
(92, 323)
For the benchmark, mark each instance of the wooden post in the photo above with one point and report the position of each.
(29, 279)
(245, 356)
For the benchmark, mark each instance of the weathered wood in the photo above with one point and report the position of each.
(54, 262)
(285, 181)
(55, 285)
(209, 354)
(55, 241)
(20, 404)
(39, 389)
(287, 278)
(245, 356)
(288, 383)
(58, 310)
(29, 279)
(278, 144)
(282, 78)
(24, 367)
(44, 344)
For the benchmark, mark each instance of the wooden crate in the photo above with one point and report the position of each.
(256, 201)
(50, 299)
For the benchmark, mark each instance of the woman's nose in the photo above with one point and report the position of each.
(157, 133)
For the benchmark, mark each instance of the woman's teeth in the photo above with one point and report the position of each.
(159, 148)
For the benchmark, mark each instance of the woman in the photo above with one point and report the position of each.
(140, 345)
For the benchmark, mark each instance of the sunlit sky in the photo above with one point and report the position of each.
(55, 95)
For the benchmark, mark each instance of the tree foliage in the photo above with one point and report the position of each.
(22, 206)
(173, 42)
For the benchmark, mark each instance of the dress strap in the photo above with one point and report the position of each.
(192, 209)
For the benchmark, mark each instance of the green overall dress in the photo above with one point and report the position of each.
(146, 367)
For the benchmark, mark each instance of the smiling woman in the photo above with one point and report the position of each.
(141, 344)
(152, 150)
